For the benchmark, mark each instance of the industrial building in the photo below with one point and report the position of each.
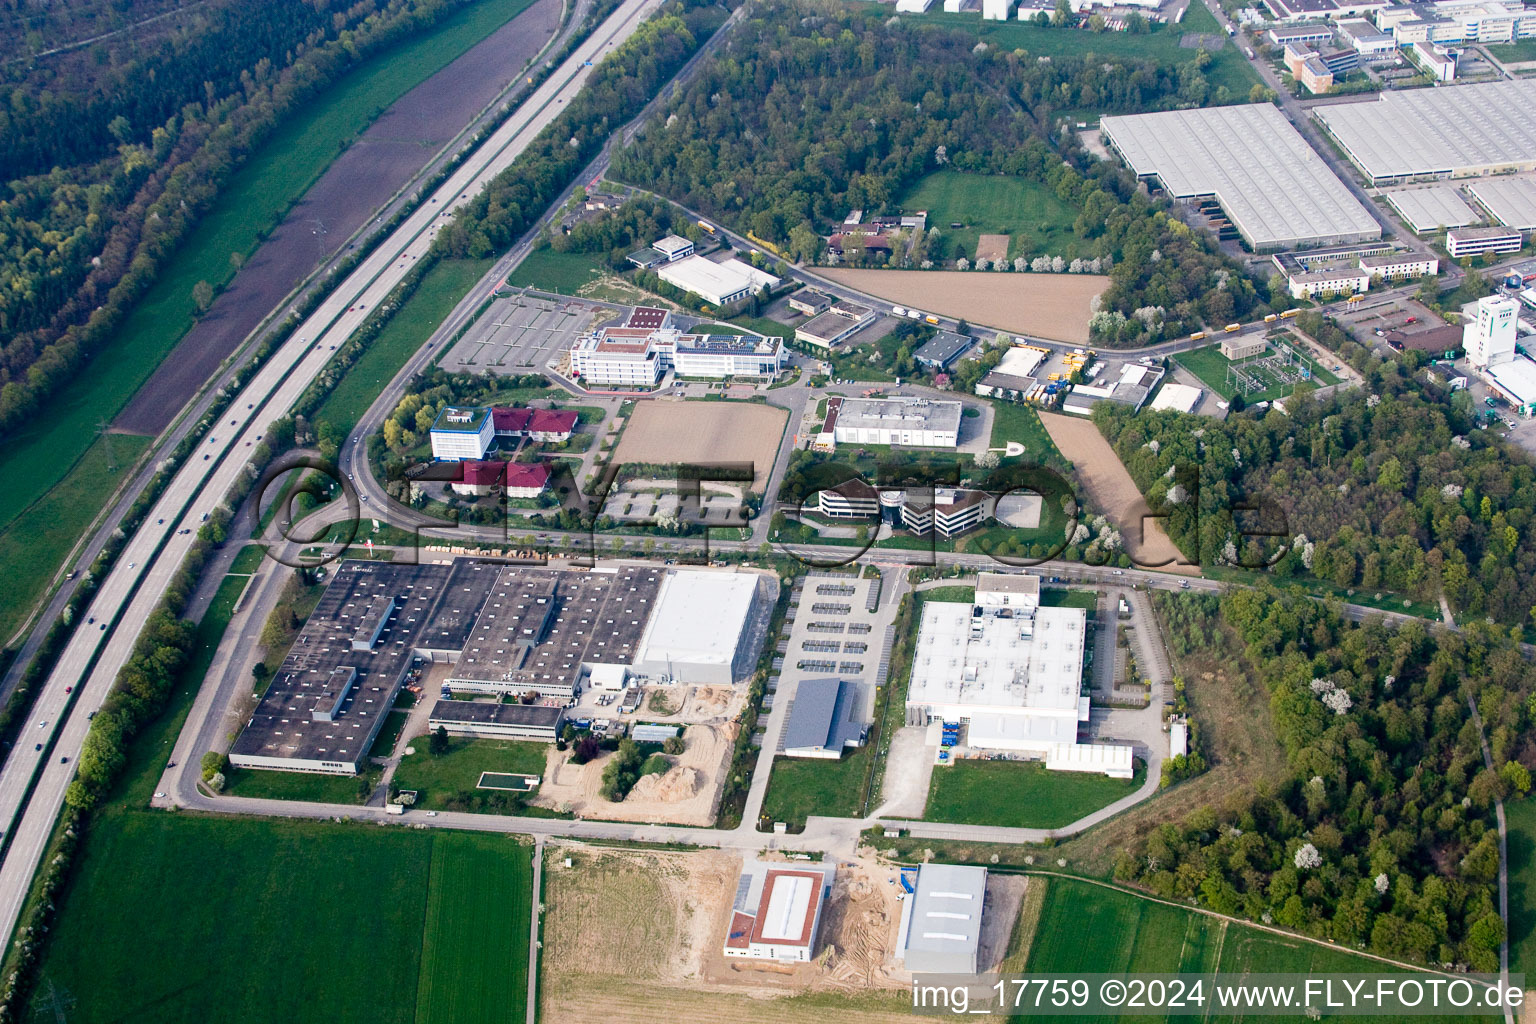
(496, 720)
(1014, 375)
(640, 352)
(1276, 191)
(462, 432)
(1511, 201)
(777, 910)
(941, 922)
(1340, 281)
(1432, 209)
(914, 422)
(1132, 386)
(1489, 339)
(1303, 10)
(1456, 22)
(939, 352)
(824, 719)
(1242, 346)
(506, 630)
(810, 301)
(1461, 242)
(705, 629)
(717, 283)
(839, 321)
(1177, 398)
(1311, 36)
(1010, 671)
(1398, 266)
(1466, 131)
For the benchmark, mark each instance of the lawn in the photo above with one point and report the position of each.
(1019, 794)
(308, 787)
(436, 779)
(474, 960)
(1161, 44)
(1090, 928)
(551, 271)
(1036, 221)
(1058, 597)
(802, 786)
(37, 540)
(36, 460)
(1521, 817)
(408, 330)
(176, 918)
(1514, 53)
(1017, 422)
(389, 732)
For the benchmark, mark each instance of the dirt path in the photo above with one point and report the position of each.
(1109, 487)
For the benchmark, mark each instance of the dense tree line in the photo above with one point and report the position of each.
(616, 234)
(1382, 834)
(617, 90)
(1379, 487)
(82, 243)
(50, 119)
(813, 111)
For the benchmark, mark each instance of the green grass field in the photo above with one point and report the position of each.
(802, 786)
(309, 787)
(1021, 423)
(35, 544)
(1036, 221)
(1019, 794)
(551, 271)
(436, 779)
(389, 732)
(1211, 367)
(175, 918)
(1059, 597)
(441, 290)
(1089, 928)
(1161, 44)
(1521, 818)
(474, 945)
(52, 460)
(1514, 53)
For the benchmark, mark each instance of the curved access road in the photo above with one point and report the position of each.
(34, 778)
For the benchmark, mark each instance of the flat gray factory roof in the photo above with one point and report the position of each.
(481, 712)
(1459, 130)
(1277, 191)
(1511, 200)
(433, 607)
(824, 715)
(596, 617)
(897, 413)
(1426, 209)
(942, 931)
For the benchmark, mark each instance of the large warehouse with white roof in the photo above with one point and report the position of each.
(1512, 201)
(1457, 132)
(1277, 192)
(1430, 209)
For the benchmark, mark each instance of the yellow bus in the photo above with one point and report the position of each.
(1197, 336)
(1290, 313)
(1232, 328)
(1271, 318)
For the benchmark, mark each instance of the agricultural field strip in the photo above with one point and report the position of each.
(152, 556)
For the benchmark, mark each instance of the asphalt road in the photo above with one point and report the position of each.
(33, 782)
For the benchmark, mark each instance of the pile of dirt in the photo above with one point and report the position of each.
(667, 787)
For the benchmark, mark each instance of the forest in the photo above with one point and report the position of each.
(112, 161)
(814, 111)
(1381, 835)
(1384, 486)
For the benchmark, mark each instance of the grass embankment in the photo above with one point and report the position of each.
(440, 290)
(33, 547)
(551, 271)
(53, 465)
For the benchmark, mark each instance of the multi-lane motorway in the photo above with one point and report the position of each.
(36, 775)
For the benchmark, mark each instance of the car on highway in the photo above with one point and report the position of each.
(69, 689)
(38, 747)
(64, 759)
(43, 724)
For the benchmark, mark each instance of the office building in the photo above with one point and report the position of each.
(462, 432)
(912, 422)
(1461, 242)
(1490, 338)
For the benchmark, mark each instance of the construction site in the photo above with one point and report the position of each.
(628, 930)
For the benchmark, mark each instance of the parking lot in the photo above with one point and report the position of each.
(521, 334)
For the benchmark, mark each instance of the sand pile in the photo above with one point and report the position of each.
(667, 787)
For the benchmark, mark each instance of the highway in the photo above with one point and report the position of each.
(35, 777)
